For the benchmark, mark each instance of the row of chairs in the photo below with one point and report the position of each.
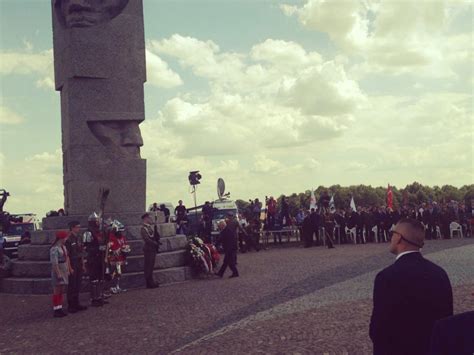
(455, 229)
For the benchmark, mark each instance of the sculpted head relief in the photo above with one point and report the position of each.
(87, 13)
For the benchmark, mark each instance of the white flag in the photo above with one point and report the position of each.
(353, 205)
(312, 202)
(332, 205)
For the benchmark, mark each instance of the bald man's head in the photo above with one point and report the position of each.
(408, 234)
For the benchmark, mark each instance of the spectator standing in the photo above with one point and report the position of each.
(181, 217)
(409, 296)
(285, 211)
(271, 212)
(166, 212)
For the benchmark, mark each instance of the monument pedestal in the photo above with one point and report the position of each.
(31, 271)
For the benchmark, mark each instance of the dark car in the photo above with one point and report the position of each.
(12, 237)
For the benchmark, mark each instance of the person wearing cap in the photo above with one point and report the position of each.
(60, 271)
(409, 296)
(150, 248)
(75, 250)
(118, 250)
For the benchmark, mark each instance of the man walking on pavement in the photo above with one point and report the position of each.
(229, 239)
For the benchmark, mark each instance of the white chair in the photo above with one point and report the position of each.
(351, 233)
(455, 227)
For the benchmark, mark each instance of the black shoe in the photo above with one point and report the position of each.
(81, 307)
(219, 274)
(72, 309)
(152, 286)
(59, 313)
(233, 275)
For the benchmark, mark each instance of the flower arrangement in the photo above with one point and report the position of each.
(203, 257)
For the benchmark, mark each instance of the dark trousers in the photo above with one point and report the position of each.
(230, 260)
(150, 256)
(74, 286)
(307, 238)
(359, 234)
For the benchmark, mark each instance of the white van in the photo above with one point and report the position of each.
(221, 209)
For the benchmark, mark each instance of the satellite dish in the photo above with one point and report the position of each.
(220, 188)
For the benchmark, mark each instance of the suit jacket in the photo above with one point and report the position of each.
(454, 335)
(229, 236)
(409, 297)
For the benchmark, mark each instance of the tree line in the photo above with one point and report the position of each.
(365, 195)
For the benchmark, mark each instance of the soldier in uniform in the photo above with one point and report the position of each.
(75, 250)
(95, 245)
(150, 249)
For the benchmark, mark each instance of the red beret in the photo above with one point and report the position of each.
(62, 234)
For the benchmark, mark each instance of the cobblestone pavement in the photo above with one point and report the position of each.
(287, 300)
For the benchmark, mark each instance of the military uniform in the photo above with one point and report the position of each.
(75, 250)
(150, 248)
(95, 245)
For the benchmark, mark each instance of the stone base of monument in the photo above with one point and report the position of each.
(31, 271)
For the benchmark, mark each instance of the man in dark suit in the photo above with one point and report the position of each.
(409, 296)
(454, 335)
(229, 239)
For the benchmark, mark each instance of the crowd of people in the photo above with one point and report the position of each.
(324, 224)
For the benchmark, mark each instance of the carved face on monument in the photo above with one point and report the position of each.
(122, 139)
(87, 13)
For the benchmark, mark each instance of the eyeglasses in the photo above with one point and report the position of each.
(392, 232)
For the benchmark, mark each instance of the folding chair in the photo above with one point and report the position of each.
(455, 227)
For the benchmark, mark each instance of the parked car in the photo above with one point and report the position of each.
(12, 236)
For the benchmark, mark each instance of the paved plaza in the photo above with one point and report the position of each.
(288, 300)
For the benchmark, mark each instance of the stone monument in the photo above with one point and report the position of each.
(99, 66)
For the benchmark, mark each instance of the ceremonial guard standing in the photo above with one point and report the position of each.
(118, 251)
(95, 245)
(75, 250)
(150, 248)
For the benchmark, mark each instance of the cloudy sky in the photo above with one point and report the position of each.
(273, 96)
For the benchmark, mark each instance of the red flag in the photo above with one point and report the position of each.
(389, 197)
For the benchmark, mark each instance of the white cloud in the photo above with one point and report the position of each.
(277, 95)
(263, 164)
(159, 74)
(36, 192)
(9, 117)
(392, 36)
(28, 62)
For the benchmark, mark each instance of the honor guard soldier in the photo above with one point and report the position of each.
(75, 250)
(94, 243)
(119, 249)
(150, 248)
